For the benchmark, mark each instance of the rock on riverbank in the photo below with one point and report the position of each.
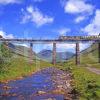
(61, 81)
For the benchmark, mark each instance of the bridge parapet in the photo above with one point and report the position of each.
(81, 38)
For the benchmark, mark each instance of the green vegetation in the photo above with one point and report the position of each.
(13, 65)
(90, 56)
(85, 83)
(19, 67)
(5, 56)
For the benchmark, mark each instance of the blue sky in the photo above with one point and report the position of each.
(49, 19)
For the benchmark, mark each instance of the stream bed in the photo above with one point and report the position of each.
(34, 87)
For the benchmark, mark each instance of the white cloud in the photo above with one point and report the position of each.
(83, 46)
(4, 2)
(65, 47)
(37, 17)
(77, 6)
(72, 46)
(30, 9)
(5, 35)
(94, 27)
(63, 31)
(22, 44)
(79, 19)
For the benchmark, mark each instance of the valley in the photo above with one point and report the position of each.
(81, 77)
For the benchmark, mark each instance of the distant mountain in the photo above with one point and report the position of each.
(19, 50)
(60, 56)
(64, 55)
(45, 54)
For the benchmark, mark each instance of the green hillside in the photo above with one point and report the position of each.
(18, 65)
(88, 57)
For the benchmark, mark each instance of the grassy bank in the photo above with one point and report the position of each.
(85, 83)
(19, 67)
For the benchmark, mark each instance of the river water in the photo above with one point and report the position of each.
(28, 88)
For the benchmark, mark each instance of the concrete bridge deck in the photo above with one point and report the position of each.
(59, 39)
(51, 40)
